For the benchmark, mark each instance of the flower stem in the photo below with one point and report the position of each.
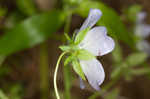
(55, 75)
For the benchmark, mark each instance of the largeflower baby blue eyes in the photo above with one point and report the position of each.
(89, 43)
(97, 43)
(83, 49)
(142, 30)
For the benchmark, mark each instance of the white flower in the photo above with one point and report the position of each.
(144, 46)
(98, 43)
(142, 30)
(140, 17)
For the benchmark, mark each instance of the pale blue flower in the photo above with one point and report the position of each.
(142, 30)
(98, 43)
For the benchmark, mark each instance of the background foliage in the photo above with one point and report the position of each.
(32, 30)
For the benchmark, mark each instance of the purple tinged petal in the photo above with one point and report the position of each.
(94, 72)
(144, 46)
(142, 30)
(93, 17)
(141, 16)
(97, 42)
(82, 86)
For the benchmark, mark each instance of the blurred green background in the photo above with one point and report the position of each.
(31, 32)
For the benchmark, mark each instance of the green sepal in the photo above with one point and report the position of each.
(68, 38)
(84, 55)
(80, 36)
(65, 48)
(68, 60)
(77, 68)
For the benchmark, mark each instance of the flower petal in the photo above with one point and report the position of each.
(93, 17)
(82, 86)
(144, 46)
(141, 16)
(142, 30)
(94, 72)
(97, 42)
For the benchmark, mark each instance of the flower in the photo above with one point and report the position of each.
(98, 43)
(142, 30)
(84, 48)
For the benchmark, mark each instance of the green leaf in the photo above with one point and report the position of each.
(132, 12)
(117, 72)
(81, 35)
(77, 68)
(136, 59)
(2, 95)
(16, 91)
(141, 71)
(72, 2)
(13, 19)
(117, 53)
(26, 6)
(109, 18)
(31, 32)
(2, 12)
(84, 55)
(2, 58)
(127, 74)
(5, 70)
(113, 94)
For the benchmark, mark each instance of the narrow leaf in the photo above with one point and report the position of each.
(141, 71)
(113, 94)
(117, 72)
(31, 32)
(136, 59)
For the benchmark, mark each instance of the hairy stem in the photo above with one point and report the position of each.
(55, 75)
